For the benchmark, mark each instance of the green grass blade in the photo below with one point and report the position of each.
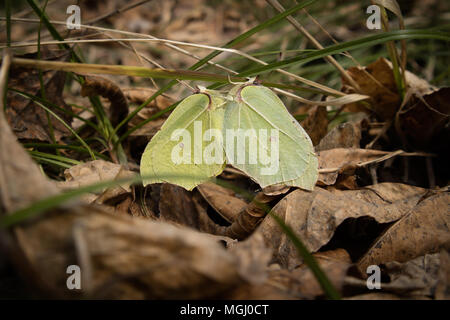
(8, 22)
(55, 34)
(38, 145)
(309, 259)
(350, 45)
(51, 161)
(54, 157)
(230, 44)
(91, 153)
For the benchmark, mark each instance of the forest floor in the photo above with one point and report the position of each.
(375, 226)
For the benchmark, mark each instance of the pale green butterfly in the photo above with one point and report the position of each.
(273, 147)
(188, 149)
(260, 137)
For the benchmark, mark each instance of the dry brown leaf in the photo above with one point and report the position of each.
(29, 120)
(89, 173)
(334, 263)
(248, 219)
(345, 159)
(443, 285)
(122, 257)
(179, 206)
(425, 229)
(346, 135)
(426, 120)
(140, 95)
(253, 257)
(299, 283)
(21, 181)
(417, 277)
(223, 200)
(118, 109)
(377, 81)
(314, 216)
(316, 124)
(93, 172)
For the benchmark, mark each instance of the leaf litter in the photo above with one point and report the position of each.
(381, 197)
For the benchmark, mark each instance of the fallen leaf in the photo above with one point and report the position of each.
(338, 161)
(345, 135)
(223, 200)
(253, 257)
(93, 172)
(443, 285)
(138, 96)
(426, 120)
(417, 277)
(21, 180)
(179, 206)
(124, 257)
(424, 229)
(314, 216)
(29, 120)
(316, 124)
(377, 81)
(334, 263)
(118, 108)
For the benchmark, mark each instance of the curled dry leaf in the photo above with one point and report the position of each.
(424, 229)
(123, 257)
(223, 200)
(139, 96)
(419, 278)
(248, 219)
(118, 109)
(314, 216)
